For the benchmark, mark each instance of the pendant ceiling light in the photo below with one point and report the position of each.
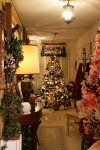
(68, 13)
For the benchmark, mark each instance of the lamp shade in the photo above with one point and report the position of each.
(30, 63)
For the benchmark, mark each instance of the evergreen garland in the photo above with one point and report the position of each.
(3, 147)
(11, 106)
(13, 55)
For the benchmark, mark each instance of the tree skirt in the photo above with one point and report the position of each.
(51, 138)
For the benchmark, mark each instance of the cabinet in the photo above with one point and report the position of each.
(16, 144)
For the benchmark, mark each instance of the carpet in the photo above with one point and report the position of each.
(51, 138)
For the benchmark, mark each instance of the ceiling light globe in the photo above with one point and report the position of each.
(68, 13)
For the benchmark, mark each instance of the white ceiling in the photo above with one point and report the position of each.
(42, 18)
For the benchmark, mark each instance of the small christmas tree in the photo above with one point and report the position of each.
(53, 86)
(89, 106)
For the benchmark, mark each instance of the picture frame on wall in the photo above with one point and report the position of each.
(58, 49)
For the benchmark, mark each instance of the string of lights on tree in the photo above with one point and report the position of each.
(53, 86)
(89, 106)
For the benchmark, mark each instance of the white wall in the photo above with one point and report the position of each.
(71, 46)
(74, 49)
(85, 40)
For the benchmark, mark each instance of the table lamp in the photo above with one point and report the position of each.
(28, 67)
(30, 64)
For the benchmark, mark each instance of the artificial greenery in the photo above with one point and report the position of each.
(11, 108)
(13, 55)
(26, 131)
(3, 147)
(14, 46)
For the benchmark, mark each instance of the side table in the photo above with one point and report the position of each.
(71, 114)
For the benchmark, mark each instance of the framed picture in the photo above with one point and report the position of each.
(58, 49)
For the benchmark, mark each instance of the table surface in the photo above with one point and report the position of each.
(72, 113)
(38, 106)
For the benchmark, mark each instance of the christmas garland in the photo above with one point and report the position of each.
(13, 54)
(11, 106)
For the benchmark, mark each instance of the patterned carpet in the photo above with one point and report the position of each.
(51, 138)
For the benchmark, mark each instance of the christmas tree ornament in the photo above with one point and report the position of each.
(55, 85)
(89, 105)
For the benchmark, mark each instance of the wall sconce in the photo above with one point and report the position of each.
(68, 13)
(28, 67)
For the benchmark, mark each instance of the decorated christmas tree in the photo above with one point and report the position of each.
(89, 106)
(53, 87)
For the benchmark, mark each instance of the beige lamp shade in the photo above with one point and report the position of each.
(30, 63)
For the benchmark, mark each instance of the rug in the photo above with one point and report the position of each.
(51, 138)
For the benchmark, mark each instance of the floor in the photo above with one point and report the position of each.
(51, 117)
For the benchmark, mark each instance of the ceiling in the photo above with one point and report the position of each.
(42, 18)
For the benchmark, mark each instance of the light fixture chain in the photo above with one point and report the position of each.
(53, 39)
